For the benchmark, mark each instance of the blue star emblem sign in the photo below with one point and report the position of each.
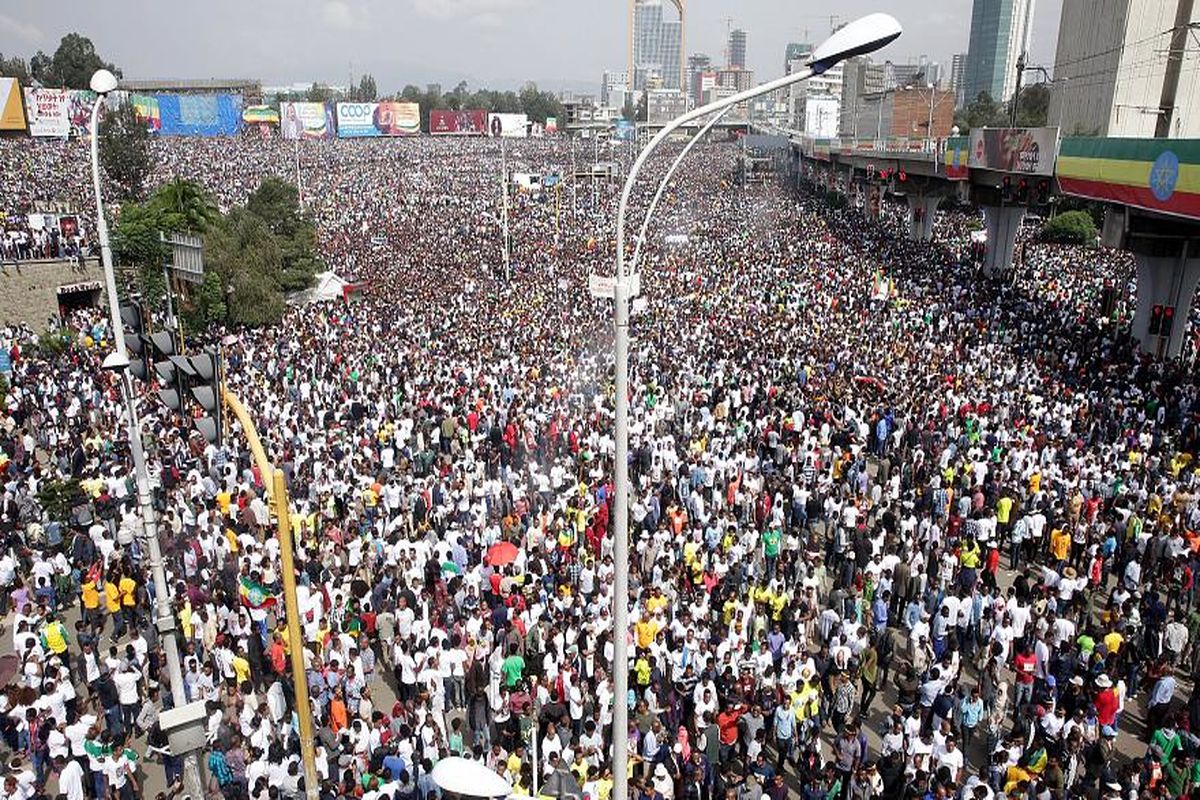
(1164, 174)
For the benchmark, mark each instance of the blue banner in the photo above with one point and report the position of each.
(199, 114)
(625, 131)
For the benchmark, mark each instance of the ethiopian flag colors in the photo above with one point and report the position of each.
(255, 595)
(1156, 174)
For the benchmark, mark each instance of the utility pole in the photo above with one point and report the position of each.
(1016, 98)
(1179, 35)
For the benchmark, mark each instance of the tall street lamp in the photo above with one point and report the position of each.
(102, 83)
(864, 35)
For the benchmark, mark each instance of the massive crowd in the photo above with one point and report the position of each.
(939, 544)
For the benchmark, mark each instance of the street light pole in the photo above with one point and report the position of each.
(504, 195)
(862, 36)
(103, 82)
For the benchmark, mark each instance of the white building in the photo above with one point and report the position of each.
(822, 115)
(1110, 68)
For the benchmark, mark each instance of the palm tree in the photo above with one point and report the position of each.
(189, 203)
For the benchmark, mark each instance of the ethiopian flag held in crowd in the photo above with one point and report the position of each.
(255, 595)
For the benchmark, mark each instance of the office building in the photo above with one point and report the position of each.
(1110, 70)
(664, 105)
(613, 88)
(737, 78)
(957, 84)
(656, 45)
(913, 113)
(737, 48)
(1001, 30)
(697, 64)
(860, 77)
(923, 72)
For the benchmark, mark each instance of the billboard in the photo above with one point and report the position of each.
(145, 109)
(1030, 151)
(47, 110)
(510, 126)
(79, 110)
(305, 121)
(12, 117)
(551, 125)
(625, 131)
(199, 114)
(458, 123)
(260, 114)
(378, 119)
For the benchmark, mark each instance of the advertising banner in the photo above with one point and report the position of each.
(12, 118)
(625, 131)
(510, 126)
(47, 110)
(200, 114)
(378, 119)
(79, 110)
(1030, 151)
(145, 108)
(551, 125)
(458, 123)
(305, 121)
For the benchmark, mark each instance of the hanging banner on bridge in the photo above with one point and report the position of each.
(1030, 151)
(1155, 174)
(955, 158)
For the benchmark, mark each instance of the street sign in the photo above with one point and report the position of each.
(605, 285)
(187, 256)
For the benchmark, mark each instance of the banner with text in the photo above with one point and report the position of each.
(200, 114)
(510, 126)
(47, 110)
(306, 121)
(378, 119)
(458, 123)
(12, 118)
(145, 110)
(1030, 151)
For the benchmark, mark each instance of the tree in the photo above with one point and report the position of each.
(185, 206)
(1072, 227)
(539, 105)
(1034, 106)
(245, 259)
(628, 112)
(15, 67)
(319, 93)
(366, 89)
(982, 112)
(125, 152)
(72, 64)
(277, 203)
(643, 107)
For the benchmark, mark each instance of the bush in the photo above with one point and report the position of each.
(1072, 227)
(57, 498)
(53, 344)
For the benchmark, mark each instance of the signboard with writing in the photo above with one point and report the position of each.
(1029, 151)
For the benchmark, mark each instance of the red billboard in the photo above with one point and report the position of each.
(458, 123)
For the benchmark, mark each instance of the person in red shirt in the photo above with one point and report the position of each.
(1107, 701)
(1025, 664)
(727, 723)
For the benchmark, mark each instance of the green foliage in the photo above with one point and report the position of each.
(72, 64)
(539, 105)
(247, 260)
(277, 203)
(208, 304)
(643, 107)
(1033, 106)
(982, 112)
(533, 102)
(135, 239)
(53, 344)
(15, 67)
(125, 152)
(366, 91)
(185, 206)
(319, 93)
(57, 498)
(1073, 227)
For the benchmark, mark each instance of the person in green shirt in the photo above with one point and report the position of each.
(770, 539)
(1167, 740)
(512, 668)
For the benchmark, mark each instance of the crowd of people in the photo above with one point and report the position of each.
(897, 530)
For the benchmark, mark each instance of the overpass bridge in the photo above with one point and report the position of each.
(1150, 187)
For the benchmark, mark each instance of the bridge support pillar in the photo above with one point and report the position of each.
(1166, 280)
(1002, 224)
(922, 211)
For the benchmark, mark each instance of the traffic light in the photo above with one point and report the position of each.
(1022, 191)
(167, 367)
(1043, 193)
(1006, 189)
(1156, 320)
(903, 176)
(1168, 319)
(206, 389)
(134, 324)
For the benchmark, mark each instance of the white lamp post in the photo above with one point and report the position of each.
(864, 35)
(102, 83)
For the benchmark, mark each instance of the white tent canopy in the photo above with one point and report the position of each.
(469, 778)
(327, 286)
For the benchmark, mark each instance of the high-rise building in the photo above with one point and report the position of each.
(1001, 30)
(697, 64)
(613, 88)
(656, 45)
(736, 78)
(860, 77)
(922, 72)
(1110, 71)
(958, 69)
(737, 48)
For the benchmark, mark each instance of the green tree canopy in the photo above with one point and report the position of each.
(1072, 227)
(982, 112)
(72, 64)
(366, 91)
(15, 67)
(125, 152)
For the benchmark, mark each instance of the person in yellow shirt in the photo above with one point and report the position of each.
(1060, 544)
(241, 667)
(90, 597)
(112, 603)
(646, 629)
(127, 587)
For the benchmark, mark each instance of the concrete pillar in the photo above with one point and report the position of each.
(922, 211)
(1002, 224)
(1169, 281)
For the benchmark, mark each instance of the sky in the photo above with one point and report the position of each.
(489, 43)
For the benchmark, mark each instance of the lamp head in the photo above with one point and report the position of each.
(103, 81)
(864, 35)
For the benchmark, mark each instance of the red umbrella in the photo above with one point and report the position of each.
(502, 553)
